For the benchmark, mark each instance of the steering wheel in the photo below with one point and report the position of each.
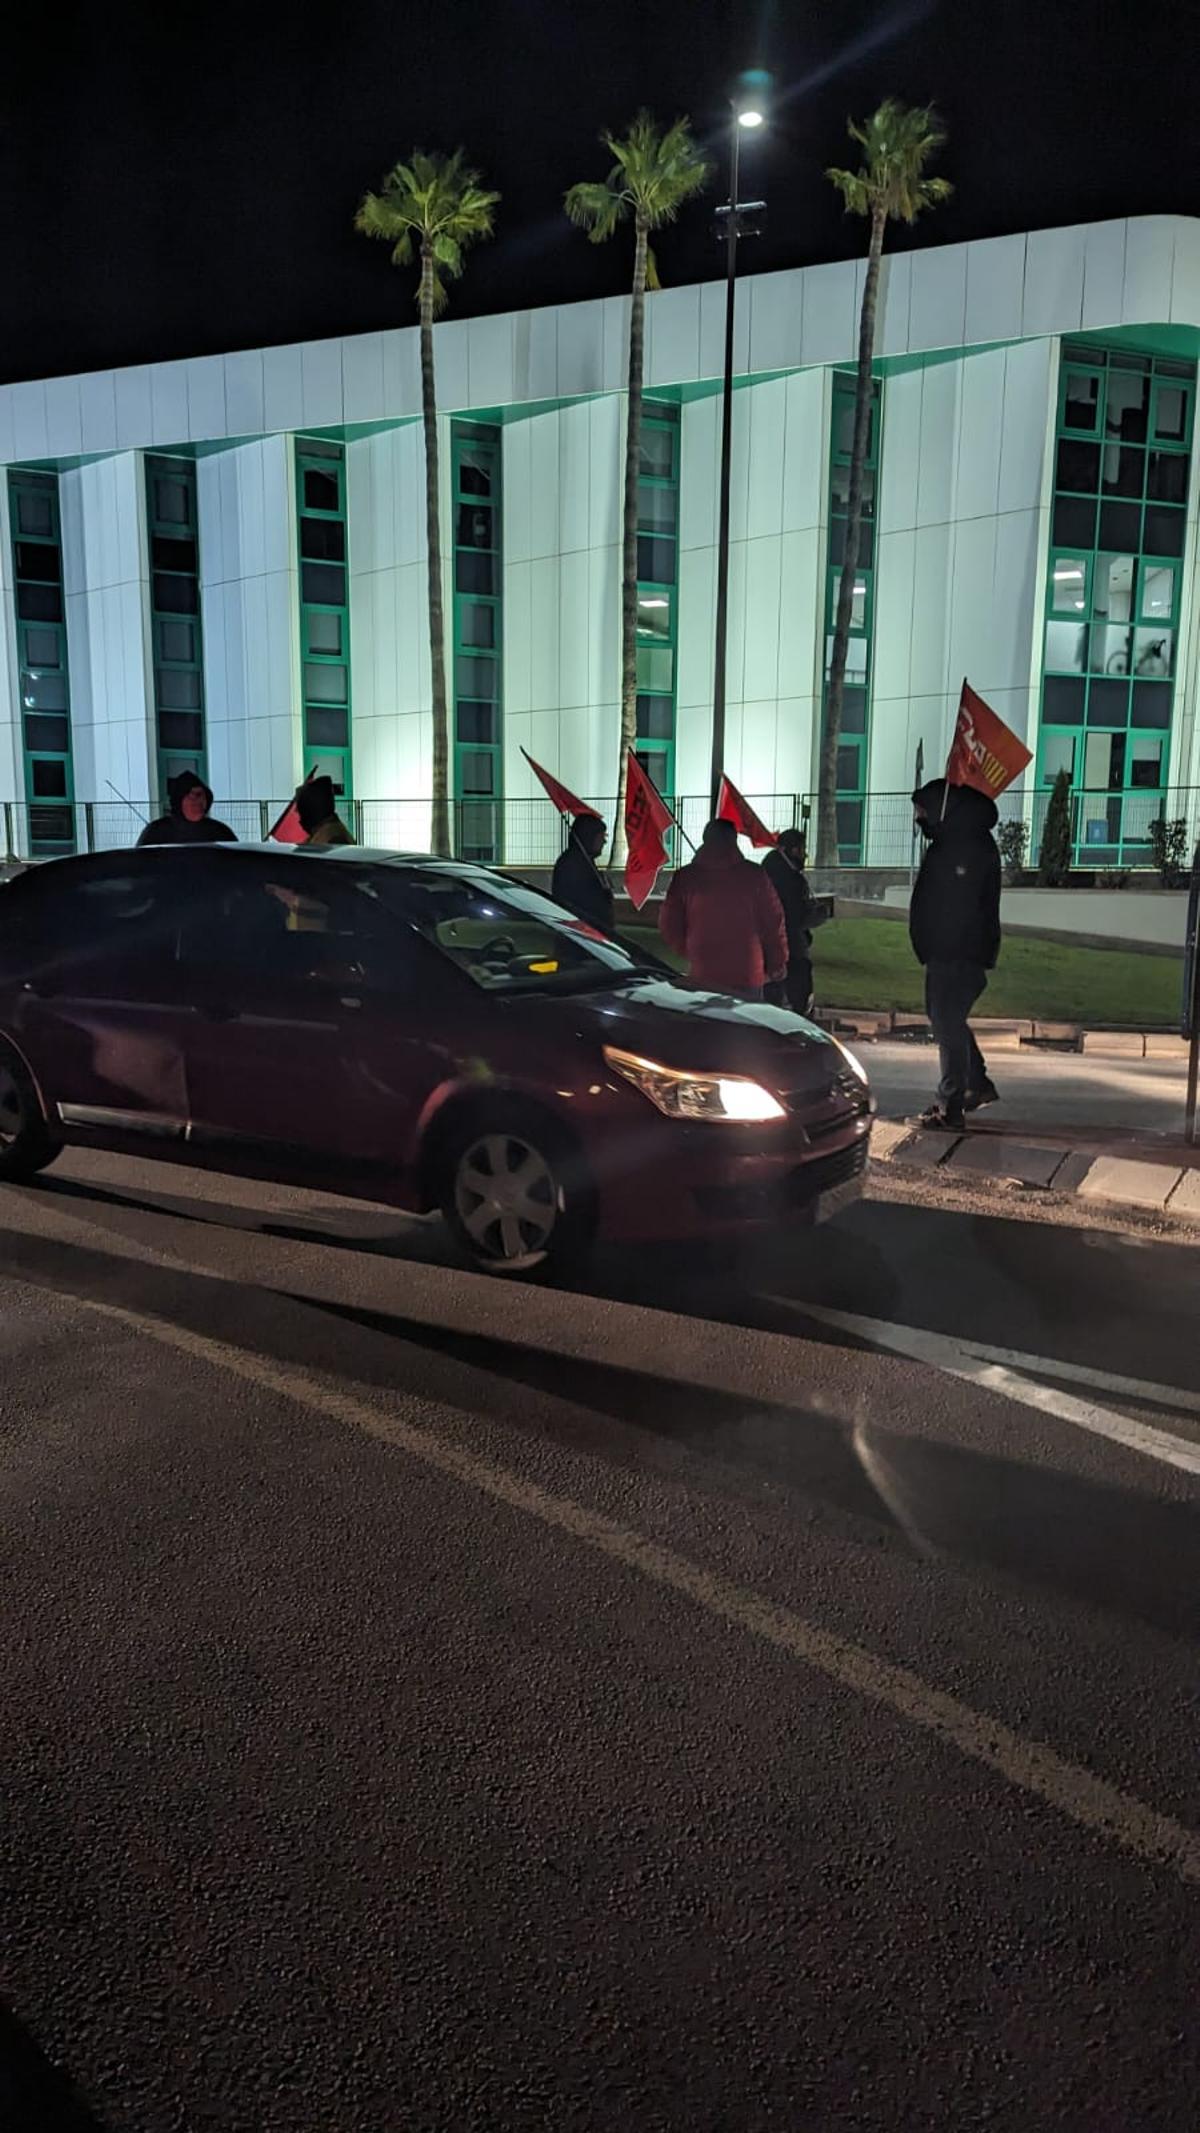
(500, 949)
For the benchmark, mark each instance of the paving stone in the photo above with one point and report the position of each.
(1160, 1044)
(1114, 1177)
(1114, 1043)
(1056, 1033)
(1185, 1200)
(888, 1136)
(924, 1151)
(993, 1155)
(1000, 1035)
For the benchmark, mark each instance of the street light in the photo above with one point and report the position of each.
(746, 116)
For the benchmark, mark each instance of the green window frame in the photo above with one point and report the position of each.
(1110, 646)
(855, 738)
(323, 551)
(658, 592)
(176, 631)
(477, 503)
(44, 680)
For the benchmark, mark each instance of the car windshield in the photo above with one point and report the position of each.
(508, 938)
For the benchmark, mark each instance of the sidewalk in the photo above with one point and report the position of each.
(1107, 1128)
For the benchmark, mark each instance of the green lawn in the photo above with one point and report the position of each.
(867, 962)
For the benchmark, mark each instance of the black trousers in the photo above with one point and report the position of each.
(951, 990)
(795, 990)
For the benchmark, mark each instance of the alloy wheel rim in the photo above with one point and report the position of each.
(12, 1111)
(506, 1198)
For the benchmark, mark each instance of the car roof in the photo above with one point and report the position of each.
(356, 856)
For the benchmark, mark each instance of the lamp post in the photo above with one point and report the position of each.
(746, 116)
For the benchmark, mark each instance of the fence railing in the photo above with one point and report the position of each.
(1110, 830)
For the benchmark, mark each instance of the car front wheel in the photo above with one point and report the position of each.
(26, 1145)
(514, 1197)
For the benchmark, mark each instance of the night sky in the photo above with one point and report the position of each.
(182, 179)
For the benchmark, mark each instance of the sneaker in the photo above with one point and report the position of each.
(975, 1099)
(938, 1120)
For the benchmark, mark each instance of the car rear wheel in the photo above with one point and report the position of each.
(514, 1197)
(26, 1145)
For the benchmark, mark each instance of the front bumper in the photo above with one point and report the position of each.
(696, 1181)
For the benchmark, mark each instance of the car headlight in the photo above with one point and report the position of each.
(852, 1061)
(727, 1098)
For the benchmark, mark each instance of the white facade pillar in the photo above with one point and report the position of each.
(249, 594)
(102, 509)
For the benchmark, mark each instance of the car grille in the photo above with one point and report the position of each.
(797, 1190)
(822, 1111)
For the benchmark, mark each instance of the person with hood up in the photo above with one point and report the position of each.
(784, 869)
(577, 880)
(954, 926)
(723, 916)
(189, 819)
(318, 814)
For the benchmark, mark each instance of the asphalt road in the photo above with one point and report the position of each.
(432, 1704)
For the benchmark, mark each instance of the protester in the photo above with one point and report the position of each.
(188, 819)
(319, 817)
(954, 926)
(784, 869)
(723, 916)
(577, 880)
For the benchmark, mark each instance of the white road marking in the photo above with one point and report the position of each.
(1122, 1388)
(1086, 1800)
(962, 1359)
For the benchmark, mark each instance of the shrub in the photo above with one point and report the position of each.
(1013, 840)
(1168, 842)
(1113, 878)
(1054, 859)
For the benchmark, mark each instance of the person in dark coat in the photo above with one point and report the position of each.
(189, 818)
(577, 880)
(784, 869)
(315, 805)
(723, 916)
(954, 926)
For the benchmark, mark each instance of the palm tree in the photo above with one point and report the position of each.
(432, 207)
(653, 174)
(897, 143)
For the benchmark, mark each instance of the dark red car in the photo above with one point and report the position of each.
(411, 1031)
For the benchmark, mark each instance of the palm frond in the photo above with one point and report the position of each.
(654, 172)
(433, 202)
(897, 141)
(596, 207)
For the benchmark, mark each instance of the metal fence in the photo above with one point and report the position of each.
(1110, 831)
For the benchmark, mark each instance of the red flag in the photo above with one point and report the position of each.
(985, 752)
(563, 798)
(289, 829)
(732, 808)
(647, 816)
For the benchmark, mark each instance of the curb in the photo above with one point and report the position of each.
(1000, 1034)
(1161, 1187)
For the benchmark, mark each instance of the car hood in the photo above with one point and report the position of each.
(702, 1032)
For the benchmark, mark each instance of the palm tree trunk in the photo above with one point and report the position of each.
(629, 545)
(831, 732)
(440, 827)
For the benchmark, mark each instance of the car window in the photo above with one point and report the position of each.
(508, 938)
(120, 920)
(289, 928)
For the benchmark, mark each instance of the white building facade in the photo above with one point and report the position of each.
(220, 563)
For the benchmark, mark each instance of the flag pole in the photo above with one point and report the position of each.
(950, 750)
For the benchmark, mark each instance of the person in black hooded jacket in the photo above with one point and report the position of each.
(954, 926)
(189, 819)
(577, 880)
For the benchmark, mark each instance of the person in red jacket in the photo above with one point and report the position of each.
(723, 916)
